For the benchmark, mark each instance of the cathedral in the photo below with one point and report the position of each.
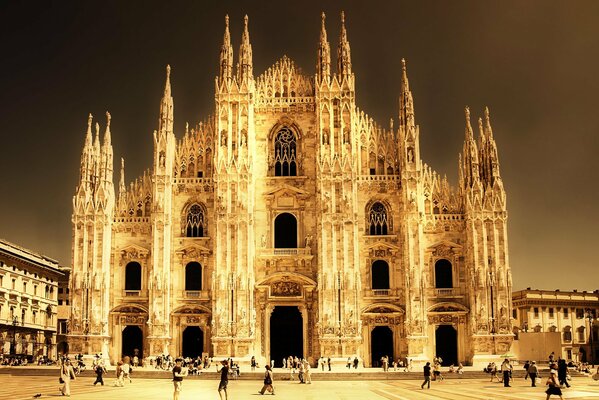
(288, 222)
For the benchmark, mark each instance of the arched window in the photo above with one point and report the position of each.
(443, 274)
(195, 222)
(581, 335)
(193, 276)
(377, 219)
(285, 231)
(380, 275)
(567, 334)
(285, 153)
(133, 276)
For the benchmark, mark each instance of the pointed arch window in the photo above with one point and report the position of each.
(195, 222)
(285, 156)
(377, 219)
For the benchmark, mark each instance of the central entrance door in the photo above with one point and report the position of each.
(286, 334)
(446, 339)
(381, 344)
(193, 342)
(133, 340)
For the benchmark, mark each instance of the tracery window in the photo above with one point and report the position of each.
(195, 221)
(377, 219)
(285, 153)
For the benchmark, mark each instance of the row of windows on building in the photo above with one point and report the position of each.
(551, 312)
(47, 293)
(32, 318)
(378, 223)
(379, 275)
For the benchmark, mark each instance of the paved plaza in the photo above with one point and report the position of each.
(24, 387)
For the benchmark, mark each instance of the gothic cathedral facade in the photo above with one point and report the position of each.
(290, 223)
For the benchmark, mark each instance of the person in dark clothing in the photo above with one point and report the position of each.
(562, 372)
(526, 365)
(224, 379)
(178, 374)
(533, 371)
(356, 362)
(99, 372)
(427, 376)
(329, 363)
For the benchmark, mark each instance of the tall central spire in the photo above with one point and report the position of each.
(166, 106)
(226, 55)
(244, 66)
(323, 65)
(343, 51)
(406, 102)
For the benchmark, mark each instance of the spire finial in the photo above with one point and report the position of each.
(227, 21)
(168, 71)
(488, 128)
(90, 119)
(107, 119)
(469, 133)
(323, 17)
(343, 17)
(245, 22)
(403, 64)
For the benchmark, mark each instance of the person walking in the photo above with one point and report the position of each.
(126, 369)
(307, 372)
(526, 366)
(268, 379)
(553, 385)
(253, 363)
(67, 373)
(562, 372)
(533, 371)
(178, 374)
(506, 370)
(119, 375)
(427, 376)
(99, 370)
(224, 379)
(329, 363)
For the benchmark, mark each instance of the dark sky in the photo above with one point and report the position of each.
(534, 63)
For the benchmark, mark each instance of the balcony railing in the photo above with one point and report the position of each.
(446, 292)
(382, 293)
(286, 252)
(132, 293)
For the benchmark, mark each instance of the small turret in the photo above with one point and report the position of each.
(245, 63)
(343, 52)
(323, 65)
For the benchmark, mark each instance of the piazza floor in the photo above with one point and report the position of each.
(24, 387)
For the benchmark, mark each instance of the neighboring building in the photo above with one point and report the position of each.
(28, 301)
(64, 312)
(290, 223)
(558, 317)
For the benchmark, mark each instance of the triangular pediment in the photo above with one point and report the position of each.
(192, 251)
(382, 246)
(285, 189)
(382, 308)
(445, 243)
(448, 307)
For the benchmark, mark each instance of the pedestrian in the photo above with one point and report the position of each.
(253, 363)
(427, 376)
(553, 385)
(268, 379)
(224, 379)
(526, 366)
(329, 363)
(356, 362)
(300, 374)
(562, 373)
(119, 375)
(307, 372)
(506, 370)
(348, 365)
(100, 370)
(126, 369)
(533, 371)
(178, 374)
(67, 373)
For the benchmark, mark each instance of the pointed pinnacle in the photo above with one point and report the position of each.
(245, 22)
(480, 127)
(488, 122)
(468, 125)
(107, 119)
(227, 21)
(343, 17)
(90, 118)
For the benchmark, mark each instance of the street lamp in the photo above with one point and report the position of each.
(13, 345)
(590, 315)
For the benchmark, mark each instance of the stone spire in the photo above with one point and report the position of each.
(106, 153)
(323, 65)
(343, 51)
(244, 65)
(165, 124)
(489, 159)
(470, 168)
(88, 135)
(122, 187)
(406, 102)
(226, 56)
(107, 135)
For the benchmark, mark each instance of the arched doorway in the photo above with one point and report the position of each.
(132, 341)
(446, 340)
(286, 334)
(381, 344)
(285, 231)
(193, 342)
(62, 348)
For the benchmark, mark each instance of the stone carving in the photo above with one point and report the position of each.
(285, 289)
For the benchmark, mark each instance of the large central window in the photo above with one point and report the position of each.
(195, 223)
(377, 219)
(285, 153)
